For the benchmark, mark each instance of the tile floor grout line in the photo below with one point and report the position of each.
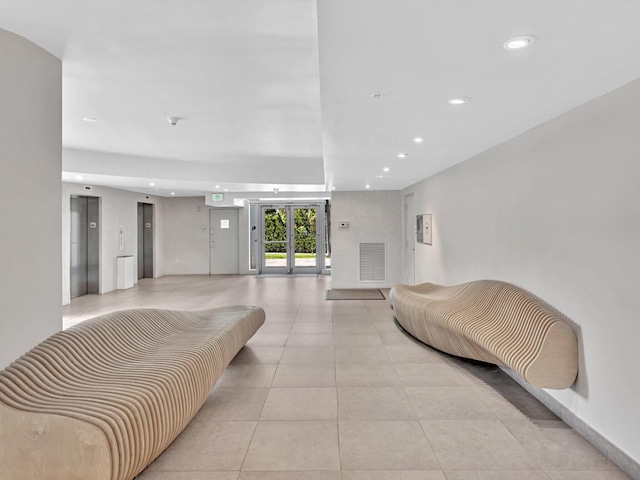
(335, 378)
(340, 316)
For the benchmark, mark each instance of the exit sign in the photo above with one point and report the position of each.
(217, 197)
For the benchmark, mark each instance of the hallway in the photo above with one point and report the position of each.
(333, 390)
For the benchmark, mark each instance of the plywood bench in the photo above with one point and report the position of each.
(494, 322)
(101, 400)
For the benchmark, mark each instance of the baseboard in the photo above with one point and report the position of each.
(608, 449)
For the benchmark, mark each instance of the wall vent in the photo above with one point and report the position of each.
(373, 262)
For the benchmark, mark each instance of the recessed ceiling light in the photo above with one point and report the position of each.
(217, 186)
(333, 188)
(418, 140)
(379, 176)
(385, 169)
(403, 155)
(367, 186)
(78, 177)
(458, 100)
(517, 43)
(152, 184)
(226, 189)
(90, 119)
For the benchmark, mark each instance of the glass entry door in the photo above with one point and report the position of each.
(291, 239)
(275, 240)
(304, 243)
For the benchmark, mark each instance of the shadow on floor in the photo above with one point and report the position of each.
(502, 384)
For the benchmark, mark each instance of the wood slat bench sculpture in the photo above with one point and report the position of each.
(493, 322)
(101, 400)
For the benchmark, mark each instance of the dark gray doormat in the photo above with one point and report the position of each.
(355, 294)
(287, 275)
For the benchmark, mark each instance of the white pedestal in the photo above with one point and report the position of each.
(124, 270)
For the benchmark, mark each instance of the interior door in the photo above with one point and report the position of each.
(409, 240)
(223, 241)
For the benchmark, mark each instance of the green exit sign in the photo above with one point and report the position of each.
(217, 197)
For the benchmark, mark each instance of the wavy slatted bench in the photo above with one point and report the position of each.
(101, 400)
(493, 322)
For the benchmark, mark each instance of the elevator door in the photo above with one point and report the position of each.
(84, 245)
(145, 240)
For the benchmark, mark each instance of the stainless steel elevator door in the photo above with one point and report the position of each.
(145, 240)
(84, 246)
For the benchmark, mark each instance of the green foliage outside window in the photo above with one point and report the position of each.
(275, 230)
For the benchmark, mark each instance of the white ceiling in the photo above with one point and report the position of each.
(277, 93)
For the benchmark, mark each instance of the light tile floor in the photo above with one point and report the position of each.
(333, 390)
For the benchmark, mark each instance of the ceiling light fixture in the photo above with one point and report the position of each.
(367, 186)
(333, 188)
(376, 96)
(173, 120)
(403, 155)
(517, 43)
(379, 176)
(276, 190)
(418, 140)
(217, 186)
(173, 193)
(152, 184)
(458, 100)
(90, 119)
(78, 177)
(385, 169)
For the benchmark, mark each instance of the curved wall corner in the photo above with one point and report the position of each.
(30, 186)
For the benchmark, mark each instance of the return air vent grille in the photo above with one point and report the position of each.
(373, 262)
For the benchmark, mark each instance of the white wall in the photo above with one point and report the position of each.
(117, 207)
(373, 217)
(186, 236)
(30, 162)
(557, 212)
(181, 232)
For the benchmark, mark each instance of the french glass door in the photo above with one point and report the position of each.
(292, 239)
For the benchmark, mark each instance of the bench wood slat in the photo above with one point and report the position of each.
(493, 322)
(104, 398)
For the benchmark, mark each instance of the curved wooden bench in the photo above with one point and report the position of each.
(103, 399)
(493, 322)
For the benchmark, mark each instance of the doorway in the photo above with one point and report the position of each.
(409, 240)
(292, 239)
(145, 240)
(85, 241)
(223, 241)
